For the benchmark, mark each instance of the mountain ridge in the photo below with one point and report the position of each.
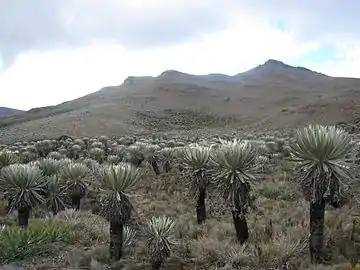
(272, 95)
(271, 63)
(5, 111)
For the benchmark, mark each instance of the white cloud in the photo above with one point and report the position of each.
(229, 37)
(347, 64)
(45, 78)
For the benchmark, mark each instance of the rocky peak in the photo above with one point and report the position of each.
(275, 63)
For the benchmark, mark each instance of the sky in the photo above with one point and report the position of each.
(58, 50)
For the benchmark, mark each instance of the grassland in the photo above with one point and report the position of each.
(278, 219)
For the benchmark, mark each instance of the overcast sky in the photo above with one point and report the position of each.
(57, 50)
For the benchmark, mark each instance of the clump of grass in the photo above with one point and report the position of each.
(343, 232)
(88, 228)
(93, 258)
(99, 254)
(42, 238)
(277, 190)
(214, 252)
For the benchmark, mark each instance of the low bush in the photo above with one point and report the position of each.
(41, 238)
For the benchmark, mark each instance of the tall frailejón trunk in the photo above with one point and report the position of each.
(155, 263)
(75, 202)
(136, 161)
(86, 142)
(8, 207)
(106, 149)
(200, 203)
(76, 155)
(317, 217)
(23, 216)
(241, 227)
(167, 166)
(54, 210)
(242, 199)
(155, 167)
(116, 239)
(157, 257)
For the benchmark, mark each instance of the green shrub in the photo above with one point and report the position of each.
(42, 238)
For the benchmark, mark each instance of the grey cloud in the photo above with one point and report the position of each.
(27, 24)
(42, 24)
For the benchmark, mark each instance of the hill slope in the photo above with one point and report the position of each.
(8, 111)
(273, 95)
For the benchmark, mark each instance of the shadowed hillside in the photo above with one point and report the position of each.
(273, 95)
(8, 111)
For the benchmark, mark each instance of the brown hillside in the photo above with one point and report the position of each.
(273, 95)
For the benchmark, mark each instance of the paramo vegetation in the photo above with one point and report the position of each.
(279, 201)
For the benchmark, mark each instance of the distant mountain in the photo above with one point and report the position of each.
(274, 68)
(273, 95)
(8, 111)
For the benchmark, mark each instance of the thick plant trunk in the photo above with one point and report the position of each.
(54, 210)
(23, 216)
(317, 217)
(167, 166)
(155, 167)
(155, 264)
(106, 149)
(241, 227)
(116, 239)
(136, 161)
(75, 202)
(8, 207)
(76, 156)
(200, 205)
(99, 159)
